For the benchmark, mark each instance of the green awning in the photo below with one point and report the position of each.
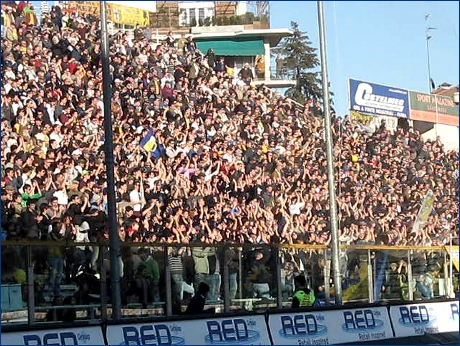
(232, 48)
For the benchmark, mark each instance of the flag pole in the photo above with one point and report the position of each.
(428, 37)
(330, 160)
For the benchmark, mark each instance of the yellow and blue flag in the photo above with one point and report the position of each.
(149, 142)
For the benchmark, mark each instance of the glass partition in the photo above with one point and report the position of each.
(14, 284)
(49, 281)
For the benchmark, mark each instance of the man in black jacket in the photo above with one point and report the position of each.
(29, 221)
(259, 274)
(196, 305)
(246, 74)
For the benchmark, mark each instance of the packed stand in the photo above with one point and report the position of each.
(201, 155)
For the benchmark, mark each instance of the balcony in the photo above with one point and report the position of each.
(285, 78)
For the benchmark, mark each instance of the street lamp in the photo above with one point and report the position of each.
(431, 85)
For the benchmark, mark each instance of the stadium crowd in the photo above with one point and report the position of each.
(201, 154)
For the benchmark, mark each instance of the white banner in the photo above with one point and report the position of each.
(424, 212)
(418, 319)
(70, 336)
(454, 254)
(390, 122)
(330, 327)
(247, 330)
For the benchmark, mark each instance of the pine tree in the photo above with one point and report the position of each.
(299, 54)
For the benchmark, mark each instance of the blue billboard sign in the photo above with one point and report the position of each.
(378, 100)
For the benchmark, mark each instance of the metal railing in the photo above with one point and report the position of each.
(48, 281)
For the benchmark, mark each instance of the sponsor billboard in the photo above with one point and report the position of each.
(84, 8)
(246, 330)
(418, 319)
(71, 336)
(117, 13)
(150, 6)
(127, 15)
(375, 99)
(433, 108)
(330, 327)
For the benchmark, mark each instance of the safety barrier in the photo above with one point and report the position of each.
(327, 325)
(365, 272)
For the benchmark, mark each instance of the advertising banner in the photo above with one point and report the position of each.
(247, 330)
(433, 108)
(330, 327)
(375, 99)
(127, 15)
(83, 8)
(150, 6)
(418, 319)
(71, 336)
(117, 13)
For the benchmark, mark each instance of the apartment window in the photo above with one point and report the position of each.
(191, 15)
(201, 13)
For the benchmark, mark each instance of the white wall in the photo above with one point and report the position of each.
(185, 7)
(447, 133)
(241, 8)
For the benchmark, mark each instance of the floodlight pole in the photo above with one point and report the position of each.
(114, 241)
(330, 160)
(451, 277)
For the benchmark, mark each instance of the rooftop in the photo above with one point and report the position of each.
(274, 36)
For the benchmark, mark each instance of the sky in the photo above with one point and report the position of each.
(382, 42)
